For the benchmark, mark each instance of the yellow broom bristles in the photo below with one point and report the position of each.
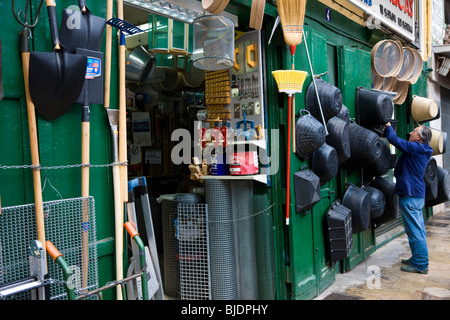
(289, 81)
(292, 15)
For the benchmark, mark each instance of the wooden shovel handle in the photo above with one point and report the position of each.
(32, 128)
(108, 49)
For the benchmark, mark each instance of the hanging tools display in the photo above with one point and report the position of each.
(290, 82)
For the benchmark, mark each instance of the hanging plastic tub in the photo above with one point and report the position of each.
(438, 141)
(373, 108)
(139, 65)
(377, 200)
(424, 109)
(391, 211)
(325, 163)
(338, 137)
(344, 114)
(382, 165)
(430, 172)
(365, 147)
(358, 201)
(307, 189)
(310, 135)
(443, 195)
(340, 231)
(213, 47)
(330, 100)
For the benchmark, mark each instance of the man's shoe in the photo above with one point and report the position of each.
(406, 261)
(409, 268)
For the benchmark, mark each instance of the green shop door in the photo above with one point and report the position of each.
(310, 271)
(355, 72)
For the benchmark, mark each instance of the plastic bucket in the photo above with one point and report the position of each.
(424, 109)
(359, 202)
(310, 135)
(373, 108)
(330, 100)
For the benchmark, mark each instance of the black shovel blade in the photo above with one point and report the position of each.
(56, 79)
(81, 30)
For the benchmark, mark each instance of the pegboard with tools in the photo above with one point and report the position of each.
(247, 95)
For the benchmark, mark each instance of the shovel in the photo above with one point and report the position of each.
(56, 78)
(81, 29)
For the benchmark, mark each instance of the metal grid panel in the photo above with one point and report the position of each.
(192, 234)
(63, 227)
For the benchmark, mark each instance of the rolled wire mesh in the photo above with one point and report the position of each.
(64, 227)
(171, 279)
(221, 240)
(192, 235)
(244, 225)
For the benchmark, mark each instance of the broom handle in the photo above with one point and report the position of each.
(288, 171)
(315, 87)
(292, 47)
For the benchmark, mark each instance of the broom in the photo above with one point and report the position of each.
(292, 15)
(290, 82)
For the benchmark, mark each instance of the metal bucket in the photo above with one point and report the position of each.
(139, 65)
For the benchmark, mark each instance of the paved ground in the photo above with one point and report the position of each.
(379, 277)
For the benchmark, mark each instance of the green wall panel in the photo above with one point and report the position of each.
(59, 140)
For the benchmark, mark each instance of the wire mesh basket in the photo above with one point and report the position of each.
(64, 225)
(213, 43)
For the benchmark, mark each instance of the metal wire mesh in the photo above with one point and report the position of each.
(64, 226)
(192, 234)
(221, 240)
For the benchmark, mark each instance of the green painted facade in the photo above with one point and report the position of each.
(301, 264)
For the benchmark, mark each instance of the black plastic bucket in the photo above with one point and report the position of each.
(382, 165)
(344, 114)
(338, 137)
(325, 163)
(430, 172)
(378, 202)
(359, 202)
(391, 211)
(330, 100)
(310, 135)
(373, 108)
(307, 190)
(443, 177)
(365, 147)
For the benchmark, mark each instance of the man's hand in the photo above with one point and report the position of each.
(387, 124)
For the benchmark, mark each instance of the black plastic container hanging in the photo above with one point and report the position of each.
(373, 107)
(338, 137)
(340, 232)
(330, 100)
(310, 135)
(358, 201)
(307, 189)
(325, 163)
